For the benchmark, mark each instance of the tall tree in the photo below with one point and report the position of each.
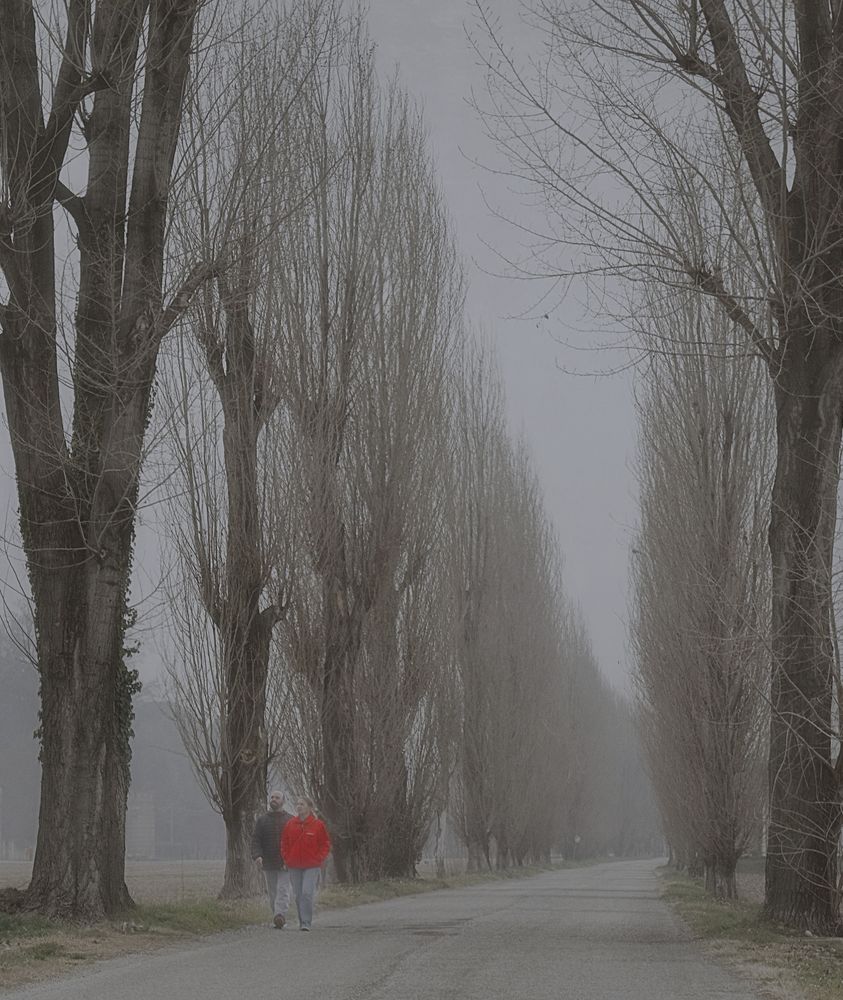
(481, 450)
(372, 307)
(701, 573)
(755, 89)
(229, 431)
(108, 77)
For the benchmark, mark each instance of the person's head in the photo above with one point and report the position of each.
(276, 801)
(304, 807)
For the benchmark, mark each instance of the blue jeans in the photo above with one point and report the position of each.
(304, 881)
(278, 890)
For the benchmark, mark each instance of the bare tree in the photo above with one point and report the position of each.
(367, 302)
(229, 448)
(754, 88)
(535, 714)
(702, 582)
(108, 78)
(480, 450)
(524, 675)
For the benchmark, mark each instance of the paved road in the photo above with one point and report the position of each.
(596, 933)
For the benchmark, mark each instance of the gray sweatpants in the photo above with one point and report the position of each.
(278, 890)
(305, 881)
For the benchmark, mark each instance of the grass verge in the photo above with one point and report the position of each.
(33, 948)
(784, 963)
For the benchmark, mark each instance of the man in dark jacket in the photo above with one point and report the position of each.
(266, 852)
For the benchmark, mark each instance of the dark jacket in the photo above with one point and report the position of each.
(266, 838)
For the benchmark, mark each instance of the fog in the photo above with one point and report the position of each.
(578, 426)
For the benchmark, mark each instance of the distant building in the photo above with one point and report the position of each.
(168, 816)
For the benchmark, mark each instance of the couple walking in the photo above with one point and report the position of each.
(291, 851)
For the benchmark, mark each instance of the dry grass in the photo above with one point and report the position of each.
(783, 963)
(148, 881)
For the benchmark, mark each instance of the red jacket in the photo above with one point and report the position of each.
(305, 843)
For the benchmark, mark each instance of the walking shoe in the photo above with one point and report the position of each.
(279, 921)
(304, 927)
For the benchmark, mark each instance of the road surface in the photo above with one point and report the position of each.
(597, 933)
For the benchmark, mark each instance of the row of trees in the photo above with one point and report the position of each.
(695, 149)
(339, 561)
(546, 756)
(369, 595)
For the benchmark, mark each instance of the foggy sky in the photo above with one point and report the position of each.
(580, 429)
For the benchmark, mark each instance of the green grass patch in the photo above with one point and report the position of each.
(43, 950)
(14, 926)
(27, 954)
(731, 920)
(814, 964)
(206, 916)
(715, 918)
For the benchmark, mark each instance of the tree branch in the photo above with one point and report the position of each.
(75, 208)
(183, 296)
(53, 143)
(20, 92)
(712, 284)
(741, 104)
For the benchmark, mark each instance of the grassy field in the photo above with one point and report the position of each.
(148, 881)
(175, 901)
(784, 963)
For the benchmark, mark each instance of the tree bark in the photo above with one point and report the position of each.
(245, 628)
(77, 502)
(720, 877)
(339, 778)
(244, 753)
(86, 714)
(801, 870)
(242, 876)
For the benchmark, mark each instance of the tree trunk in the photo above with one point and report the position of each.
(720, 878)
(79, 598)
(477, 859)
(242, 877)
(86, 717)
(339, 780)
(246, 630)
(399, 841)
(801, 872)
(77, 503)
(243, 781)
(244, 752)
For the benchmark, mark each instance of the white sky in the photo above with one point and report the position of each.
(580, 429)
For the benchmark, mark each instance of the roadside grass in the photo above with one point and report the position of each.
(787, 963)
(33, 948)
(204, 916)
(14, 926)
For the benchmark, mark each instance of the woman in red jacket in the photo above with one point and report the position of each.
(304, 847)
